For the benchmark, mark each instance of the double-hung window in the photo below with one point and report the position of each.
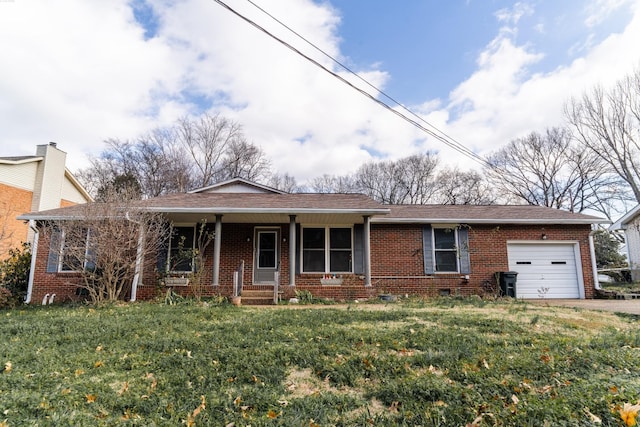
(445, 249)
(182, 249)
(327, 249)
(75, 250)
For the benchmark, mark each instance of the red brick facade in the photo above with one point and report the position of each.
(397, 264)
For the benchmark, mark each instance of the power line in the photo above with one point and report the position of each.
(417, 121)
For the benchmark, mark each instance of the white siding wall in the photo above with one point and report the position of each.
(71, 193)
(21, 175)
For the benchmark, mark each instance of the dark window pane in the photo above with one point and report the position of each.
(340, 238)
(446, 261)
(340, 261)
(267, 240)
(313, 238)
(181, 249)
(444, 238)
(313, 261)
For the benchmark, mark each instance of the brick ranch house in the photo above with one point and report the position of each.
(348, 246)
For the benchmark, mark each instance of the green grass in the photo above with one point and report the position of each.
(444, 362)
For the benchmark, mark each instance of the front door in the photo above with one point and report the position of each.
(267, 259)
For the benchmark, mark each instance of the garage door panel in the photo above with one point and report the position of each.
(544, 270)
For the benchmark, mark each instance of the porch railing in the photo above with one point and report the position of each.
(276, 285)
(238, 276)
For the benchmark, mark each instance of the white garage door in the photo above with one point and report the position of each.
(546, 270)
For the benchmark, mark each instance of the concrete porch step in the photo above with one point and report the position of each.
(257, 297)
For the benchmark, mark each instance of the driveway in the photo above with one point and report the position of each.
(631, 306)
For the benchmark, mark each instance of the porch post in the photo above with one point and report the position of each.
(367, 250)
(216, 250)
(292, 250)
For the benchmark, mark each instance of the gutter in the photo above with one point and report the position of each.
(538, 221)
(34, 255)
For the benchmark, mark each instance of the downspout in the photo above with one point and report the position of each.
(594, 267)
(34, 255)
(138, 266)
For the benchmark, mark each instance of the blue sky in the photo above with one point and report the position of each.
(485, 72)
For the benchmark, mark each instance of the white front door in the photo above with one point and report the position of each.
(545, 270)
(267, 256)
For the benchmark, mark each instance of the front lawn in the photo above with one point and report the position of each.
(442, 362)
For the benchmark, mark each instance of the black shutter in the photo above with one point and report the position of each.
(358, 249)
(427, 250)
(463, 242)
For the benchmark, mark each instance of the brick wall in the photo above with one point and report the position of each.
(396, 264)
(13, 202)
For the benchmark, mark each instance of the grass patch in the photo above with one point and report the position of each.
(412, 363)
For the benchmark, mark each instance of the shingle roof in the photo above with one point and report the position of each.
(258, 201)
(515, 214)
(242, 203)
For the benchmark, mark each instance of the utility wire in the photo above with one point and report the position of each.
(439, 135)
(380, 91)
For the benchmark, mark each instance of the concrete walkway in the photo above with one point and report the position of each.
(615, 305)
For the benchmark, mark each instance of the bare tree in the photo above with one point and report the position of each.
(105, 244)
(550, 170)
(244, 160)
(607, 124)
(206, 139)
(284, 182)
(334, 184)
(408, 180)
(456, 187)
(193, 153)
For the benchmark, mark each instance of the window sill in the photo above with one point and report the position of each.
(331, 282)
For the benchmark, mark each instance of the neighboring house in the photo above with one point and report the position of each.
(348, 246)
(630, 225)
(34, 183)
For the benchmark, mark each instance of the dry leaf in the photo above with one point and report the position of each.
(8, 367)
(594, 418)
(91, 398)
(273, 414)
(515, 399)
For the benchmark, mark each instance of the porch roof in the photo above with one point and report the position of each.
(246, 208)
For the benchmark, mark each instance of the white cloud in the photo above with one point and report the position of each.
(80, 72)
(501, 101)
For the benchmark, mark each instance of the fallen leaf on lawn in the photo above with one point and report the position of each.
(98, 364)
(594, 418)
(628, 413)
(485, 364)
(79, 372)
(515, 399)
(124, 388)
(237, 401)
(91, 398)
(8, 367)
(476, 422)
(273, 414)
(99, 348)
